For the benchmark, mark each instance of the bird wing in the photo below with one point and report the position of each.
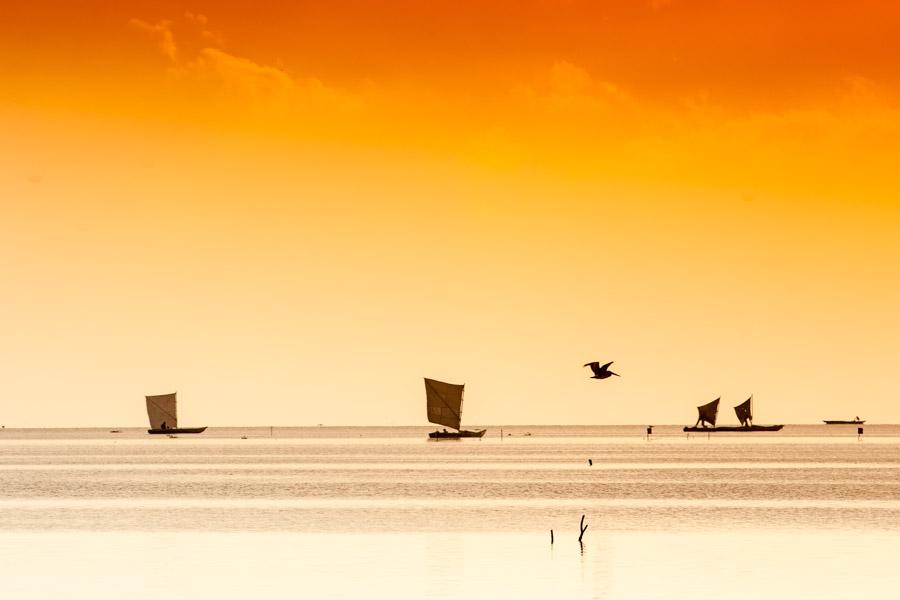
(606, 366)
(595, 367)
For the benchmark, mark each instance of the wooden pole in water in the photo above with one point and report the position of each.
(551, 537)
(583, 529)
(859, 433)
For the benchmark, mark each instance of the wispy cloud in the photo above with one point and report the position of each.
(162, 33)
(571, 89)
(197, 54)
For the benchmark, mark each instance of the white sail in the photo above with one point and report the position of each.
(162, 411)
(444, 402)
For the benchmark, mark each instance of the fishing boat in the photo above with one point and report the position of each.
(744, 411)
(856, 421)
(444, 402)
(163, 413)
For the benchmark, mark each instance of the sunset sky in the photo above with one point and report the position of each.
(291, 212)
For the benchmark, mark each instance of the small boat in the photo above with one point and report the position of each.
(744, 411)
(455, 435)
(115, 431)
(737, 428)
(163, 413)
(856, 421)
(444, 403)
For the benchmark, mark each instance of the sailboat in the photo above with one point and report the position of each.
(444, 401)
(856, 421)
(744, 411)
(163, 413)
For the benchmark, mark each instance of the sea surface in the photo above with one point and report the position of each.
(381, 512)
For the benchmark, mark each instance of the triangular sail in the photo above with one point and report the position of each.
(162, 411)
(444, 402)
(708, 412)
(744, 411)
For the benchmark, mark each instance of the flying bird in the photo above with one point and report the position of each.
(601, 372)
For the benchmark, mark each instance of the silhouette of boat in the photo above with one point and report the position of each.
(856, 421)
(163, 413)
(444, 403)
(744, 411)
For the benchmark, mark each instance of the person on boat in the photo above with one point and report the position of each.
(701, 422)
(163, 426)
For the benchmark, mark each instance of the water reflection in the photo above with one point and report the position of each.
(378, 517)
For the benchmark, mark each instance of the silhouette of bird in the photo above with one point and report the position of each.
(601, 372)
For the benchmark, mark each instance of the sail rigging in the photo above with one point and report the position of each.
(162, 411)
(744, 411)
(444, 402)
(708, 412)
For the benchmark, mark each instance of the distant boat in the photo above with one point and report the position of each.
(856, 421)
(444, 402)
(744, 411)
(163, 413)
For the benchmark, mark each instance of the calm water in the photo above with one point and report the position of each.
(810, 512)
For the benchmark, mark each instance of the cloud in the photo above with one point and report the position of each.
(239, 73)
(243, 78)
(568, 78)
(561, 117)
(196, 55)
(162, 33)
(568, 88)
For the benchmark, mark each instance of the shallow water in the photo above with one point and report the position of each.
(383, 512)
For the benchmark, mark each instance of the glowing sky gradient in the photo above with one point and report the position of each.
(313, 205)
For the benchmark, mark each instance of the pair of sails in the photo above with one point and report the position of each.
(744, 411)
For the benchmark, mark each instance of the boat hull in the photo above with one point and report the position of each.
(455, 435)
(736, 429)
(845, 422)
(178, 430)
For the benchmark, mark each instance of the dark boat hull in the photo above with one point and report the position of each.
(178, 430)
(845, 422)
(737, 429)
(455, 435)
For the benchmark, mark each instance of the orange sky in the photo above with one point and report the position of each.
(314, 205)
